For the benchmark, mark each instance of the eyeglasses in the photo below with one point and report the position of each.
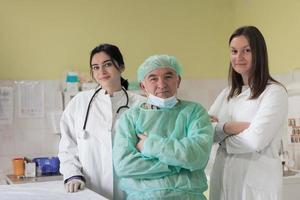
(105, 65)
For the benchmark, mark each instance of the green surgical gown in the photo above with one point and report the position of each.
(172, 162)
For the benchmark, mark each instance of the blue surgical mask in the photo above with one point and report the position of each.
(162, 103)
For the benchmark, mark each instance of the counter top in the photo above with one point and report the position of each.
(295, 179)
(44, 191)
(291, 185)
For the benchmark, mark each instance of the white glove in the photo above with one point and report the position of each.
(74, 185)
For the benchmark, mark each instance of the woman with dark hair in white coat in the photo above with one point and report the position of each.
(251, 117)
(87, 126)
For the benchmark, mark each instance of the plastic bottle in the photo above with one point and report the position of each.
(72, 82)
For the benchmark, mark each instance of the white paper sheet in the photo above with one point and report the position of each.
(52, 190)
(6, 105)
(30, 99)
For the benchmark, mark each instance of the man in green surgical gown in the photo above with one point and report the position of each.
(161, 147)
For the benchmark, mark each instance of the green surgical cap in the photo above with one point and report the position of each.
(156, 62)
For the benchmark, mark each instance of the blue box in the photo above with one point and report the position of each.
(47, 166)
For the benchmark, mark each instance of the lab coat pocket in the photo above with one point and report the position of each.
(265, 174)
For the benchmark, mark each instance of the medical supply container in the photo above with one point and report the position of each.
(47, 166)
(72, 82)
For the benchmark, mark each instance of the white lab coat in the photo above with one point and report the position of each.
(90, 154)
(247, 166)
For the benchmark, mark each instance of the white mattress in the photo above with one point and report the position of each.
(52, 190)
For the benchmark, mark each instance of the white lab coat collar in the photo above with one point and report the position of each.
(115, 94)
(246, 91)
(245, 87)
(118, 94)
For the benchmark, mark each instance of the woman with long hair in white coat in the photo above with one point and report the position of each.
(251, 116)
(87, 126)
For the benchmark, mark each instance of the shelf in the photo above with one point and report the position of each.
(13, 179)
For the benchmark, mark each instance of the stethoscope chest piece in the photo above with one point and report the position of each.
(83, 134)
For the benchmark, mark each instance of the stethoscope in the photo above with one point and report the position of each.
(89, 106)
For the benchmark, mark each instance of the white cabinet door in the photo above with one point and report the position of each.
(291, 188)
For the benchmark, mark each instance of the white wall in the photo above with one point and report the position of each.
(201, 91)
(30, 137)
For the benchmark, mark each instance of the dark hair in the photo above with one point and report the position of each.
(259, 76)
(115, 54)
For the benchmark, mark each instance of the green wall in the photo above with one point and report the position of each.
(42, 39)
(280, 23)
